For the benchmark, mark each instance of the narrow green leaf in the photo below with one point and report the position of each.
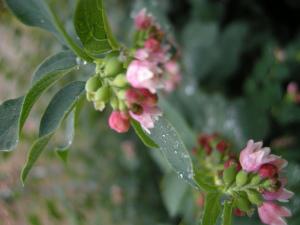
(13, 113)
(212, 209)
(92, 27)
(58, 109)
(227, 213)
(173, 149)
(142, 135)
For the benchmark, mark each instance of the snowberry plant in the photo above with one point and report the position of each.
(126, 80)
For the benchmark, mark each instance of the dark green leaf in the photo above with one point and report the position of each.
(227, 213)
(13, 113)
(173, 192)
(92, 27)
(142, 135)
(60, 106)
(33, 13)
(212, 209)
(173, 148)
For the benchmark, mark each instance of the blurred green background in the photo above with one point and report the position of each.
(237, 57)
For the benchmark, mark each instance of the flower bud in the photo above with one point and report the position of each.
(89, 96)
(241, 178)
(102, 94)
(114, 102)
(254, 197)
(92, 84)
(229, 175)
(120, 81)
(121, 94)
(222, 146)
(255, 180)
(99, 105)
(268, 171)
(113, 67)
(243, 203)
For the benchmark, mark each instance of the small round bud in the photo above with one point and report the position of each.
(255, 180)
(102, 94)
(243, 203)
(89, 96)
(99, 105)
(120, 81)
(114, 102)
(222, 146)
(241, 178)
(92, 84)
(254, 197)
(121, 94)
(268, 171)
(113, 67)
(229, 175)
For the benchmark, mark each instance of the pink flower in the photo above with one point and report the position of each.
(143, 20)
(147, 118)
(292, 88)
(143, 107)
(173, 76)
(281, 195)
(152, 45)
(141, 74)
(254, 156)
(119, 121)
(273, 214)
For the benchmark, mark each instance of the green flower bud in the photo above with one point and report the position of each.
(120, 81)
(122, 106)
(114, 102)
(102, 94)
(243, 203)
(241, 178)
(229, 175)
(92, 84)
(267, 183)
(113, 67)
(255, 180)
(89, 96)
(121, 94)
(99, 105)
(254, 197)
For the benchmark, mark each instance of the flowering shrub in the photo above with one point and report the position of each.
(254, 179)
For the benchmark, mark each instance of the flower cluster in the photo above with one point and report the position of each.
(254, 178)
(130, 79)
(293, 93)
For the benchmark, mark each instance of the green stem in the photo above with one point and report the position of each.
(73, 46)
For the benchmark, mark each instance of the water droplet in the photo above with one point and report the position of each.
(190, 89)
(181, 175)
(42, 21)
(175, 152)
(190, 175)
(78, 60)
(77, 67)
(84, 62)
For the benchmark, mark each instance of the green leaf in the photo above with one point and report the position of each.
(173, 191)
(37, 13)
(142, 135)
(13, 113)
(212, 209)
(34, 13)
(58, 109)
(170, 112)
(173, 149)
(205, 182)
(227, 213)
(91, 25)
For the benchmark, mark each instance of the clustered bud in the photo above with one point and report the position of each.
(293, 93)
(255, 179)
(128, 80)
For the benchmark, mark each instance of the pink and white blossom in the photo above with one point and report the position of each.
(143, 20)
(254, 155)
(273, 214)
